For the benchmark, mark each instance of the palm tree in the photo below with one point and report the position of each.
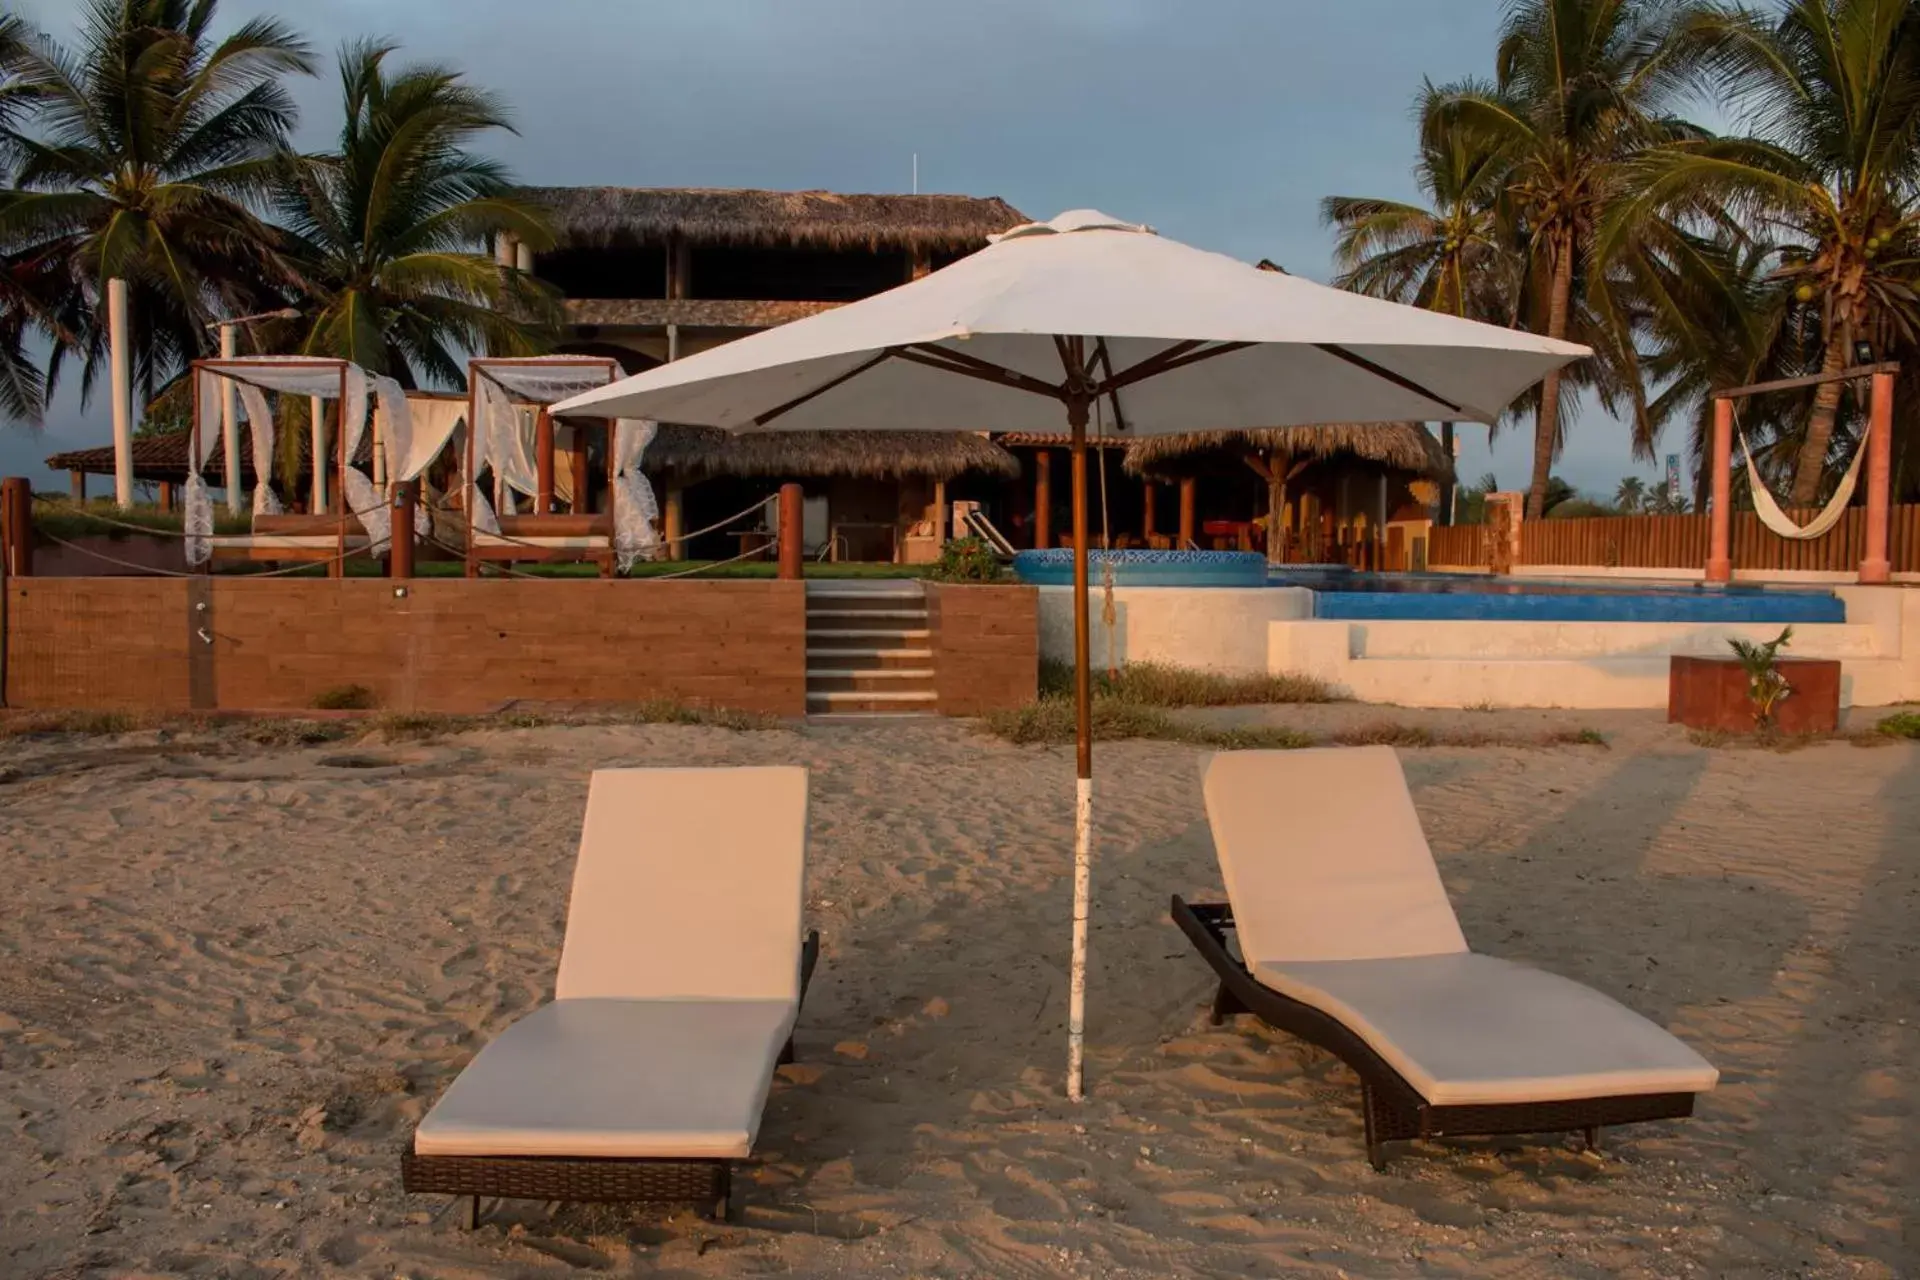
(1631, 494)
(150, 148)
(1829, 91)
(1452, 254)
(1581, 89)
(390, 231)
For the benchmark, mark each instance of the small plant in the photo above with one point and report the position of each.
(966, 560)
(346, 697)
(1904, 725)
(1767, 688)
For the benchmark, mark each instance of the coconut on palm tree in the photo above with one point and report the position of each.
(389, 232)
(1455, 253)
(1582, 88)
(1829, 93)
(144, 154)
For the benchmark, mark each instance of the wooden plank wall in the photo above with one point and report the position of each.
(986, 646)
(452, 646)
(1681, 542)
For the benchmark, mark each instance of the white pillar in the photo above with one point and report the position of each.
(317, 501)
(122, 355)
(230, 423)
(523, 257)
(503, 253)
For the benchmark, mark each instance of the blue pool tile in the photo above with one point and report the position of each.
(1573, 606)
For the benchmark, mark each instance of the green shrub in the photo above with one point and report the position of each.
(1904, 725)
(966, 560)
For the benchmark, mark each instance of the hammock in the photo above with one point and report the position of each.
(1779, 521)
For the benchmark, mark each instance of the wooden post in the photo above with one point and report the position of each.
(400, 549)
(676, 522)
(939, 513)
(1876, 567)
(166, 495)
(16, 525)
(1147, 521)
(582, 497)
(1043, 499)
(1719, 555)
(543, 463)
(792, 531)
(317, 438)
(77, 486)
(1187, 527)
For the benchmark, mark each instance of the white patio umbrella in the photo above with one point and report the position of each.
(1056, 317)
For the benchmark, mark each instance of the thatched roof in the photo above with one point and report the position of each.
(626, 216)
(163, 456)
(691, 454)
(1055, 440)
(1405, 446)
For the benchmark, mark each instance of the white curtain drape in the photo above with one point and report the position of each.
(634, 506)
(500, 444)
(261, 429)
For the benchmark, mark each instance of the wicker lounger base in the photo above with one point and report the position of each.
(599, 1180)
(1393, 1109)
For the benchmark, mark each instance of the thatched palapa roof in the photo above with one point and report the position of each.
(163, 456)
(1405, 446)
(691, 454)
(599, 217)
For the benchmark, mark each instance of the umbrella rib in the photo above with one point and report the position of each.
(1378, 371)
(1106, 360)
(763, 419)
(974, 367)
(1178, 356)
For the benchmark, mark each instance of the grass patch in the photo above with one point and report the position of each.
(420, 726)
(1155, 684)
(1576, 738)
(64, 518)
(1385, 733)
(277, 731)
(1905, 724)
(1050, 722)
(91, 724)
(346, 697)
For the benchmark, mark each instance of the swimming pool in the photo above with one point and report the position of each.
(1459, 597)
(1343, 593)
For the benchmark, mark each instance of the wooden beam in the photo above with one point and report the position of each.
(543, 463)
(1811, 380)
(1187, 526)
(1043, 499)
(1388, 375)
(823, 388)
(952, 361)
(77, 486)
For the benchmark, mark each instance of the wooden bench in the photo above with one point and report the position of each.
(294, 539)
(551, 539)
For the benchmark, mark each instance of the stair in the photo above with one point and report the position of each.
(869, 649)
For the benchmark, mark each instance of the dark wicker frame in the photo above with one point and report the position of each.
(1393, 1109)
(585, 1180)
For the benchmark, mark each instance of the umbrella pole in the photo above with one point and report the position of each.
(1083, 757)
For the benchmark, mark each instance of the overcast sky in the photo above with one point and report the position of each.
(1220, 122)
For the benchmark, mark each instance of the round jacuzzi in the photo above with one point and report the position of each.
(1146, 568)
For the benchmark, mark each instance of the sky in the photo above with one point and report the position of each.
(1218, 122)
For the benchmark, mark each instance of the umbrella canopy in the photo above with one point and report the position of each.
(1085, 314)
(1184, 340)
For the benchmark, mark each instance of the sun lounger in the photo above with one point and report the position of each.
(1348, 941)
(680, 979)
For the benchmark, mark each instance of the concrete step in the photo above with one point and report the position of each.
(868, 636)
(868, 658)
(853, 700)
(1595, 641)
(864, 614)
(871, 682)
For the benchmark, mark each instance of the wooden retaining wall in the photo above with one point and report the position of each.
(1681, 542)
(452, 646)
(986, 646)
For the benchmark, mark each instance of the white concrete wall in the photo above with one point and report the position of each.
(1220, 629)
(1465, 664)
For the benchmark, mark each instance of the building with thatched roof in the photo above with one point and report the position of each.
(1332, 491)
(868, 495)
(649, 274)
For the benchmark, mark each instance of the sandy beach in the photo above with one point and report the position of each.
(232, 978)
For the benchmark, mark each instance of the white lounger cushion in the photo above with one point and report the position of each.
(683, 1079)
(1470, 1029)
(689, 885)
(1324, 851)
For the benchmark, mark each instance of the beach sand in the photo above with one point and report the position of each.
(231, 980)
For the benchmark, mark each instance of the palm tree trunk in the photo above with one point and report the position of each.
(1810, 468)
(1449, 481)
(1547, 422)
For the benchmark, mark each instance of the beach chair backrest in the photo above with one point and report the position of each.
(689, 885)
(1324, 857)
